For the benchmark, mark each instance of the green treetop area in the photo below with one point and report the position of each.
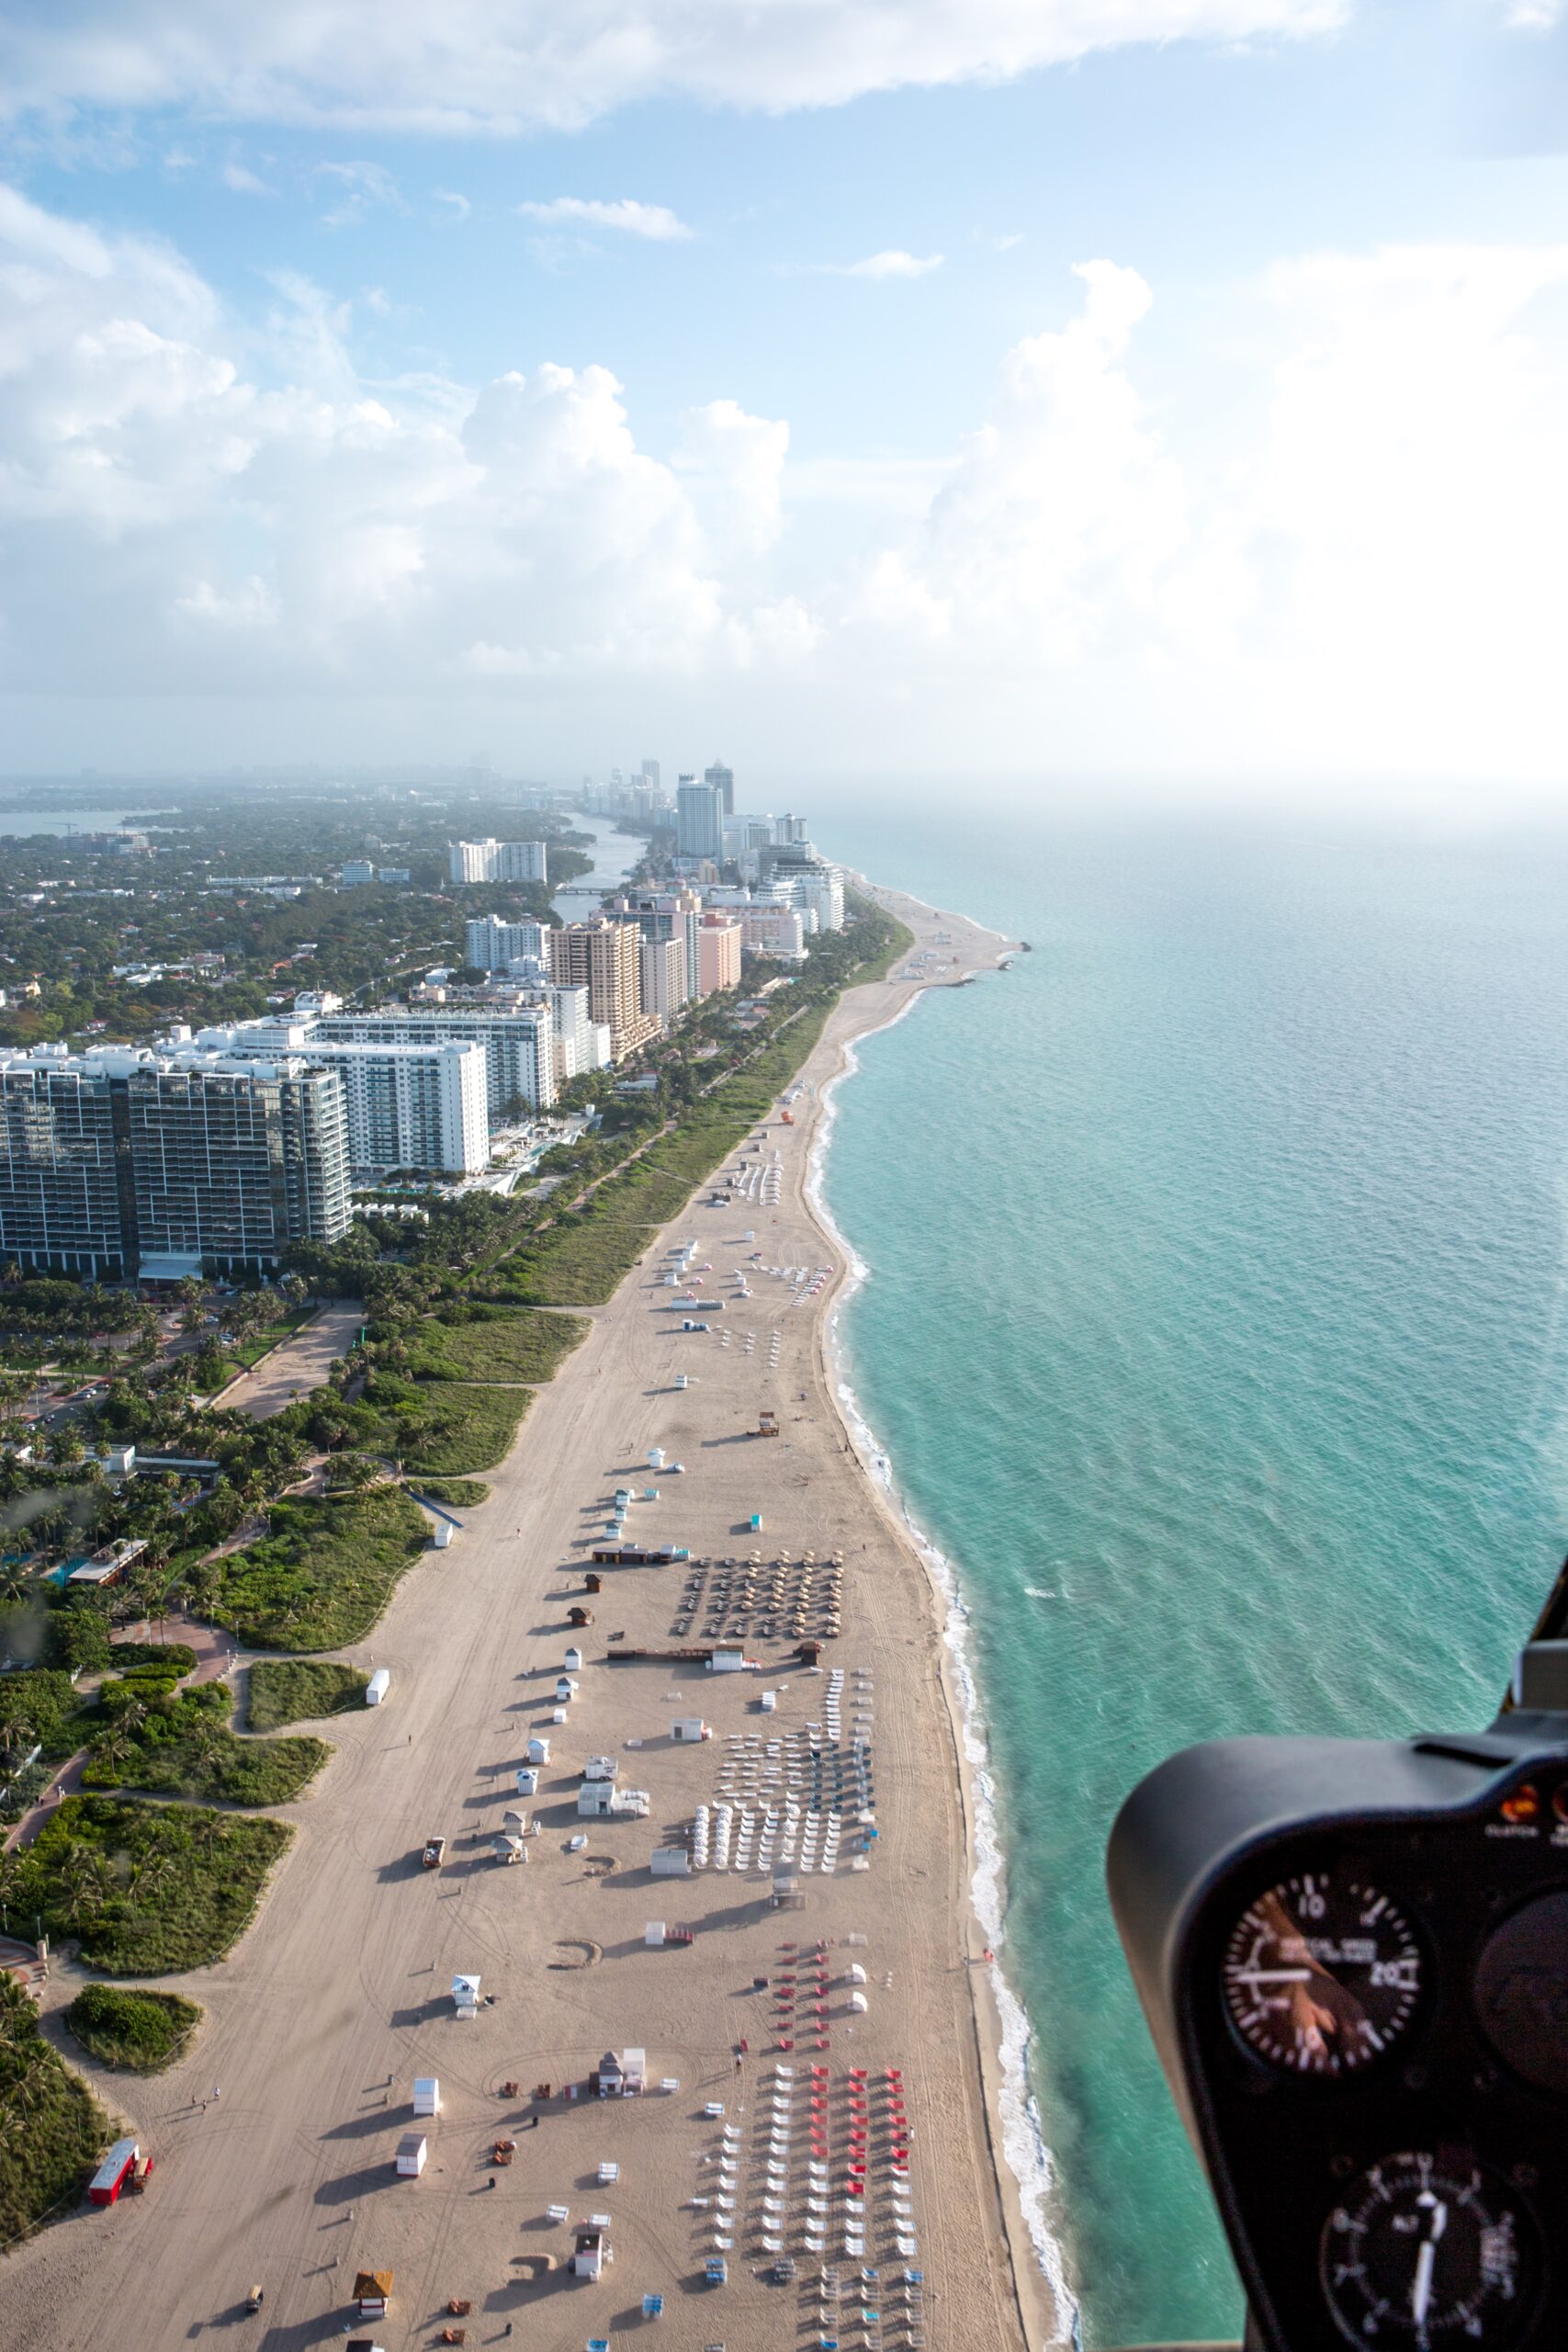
(146, 1890)
(71, 913)
(54, 2131)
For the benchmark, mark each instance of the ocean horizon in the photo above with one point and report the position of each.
(1210, 1326)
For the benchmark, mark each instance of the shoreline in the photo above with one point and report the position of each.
(1024, 2161)
(338, 1986)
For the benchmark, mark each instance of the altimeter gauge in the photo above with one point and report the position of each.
(1320, 1974)
(1427, 2252)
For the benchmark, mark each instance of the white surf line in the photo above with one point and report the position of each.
(1024, 2145)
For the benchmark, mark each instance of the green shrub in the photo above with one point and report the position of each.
(443, 1426)
(473, 1431)
(140, 2032)
(55, 2130)
(183, 1746)
(493, 1346)
(147, 1890)
(300, 1690)
(324, 1571)
(34, 1708)
(458, 1493)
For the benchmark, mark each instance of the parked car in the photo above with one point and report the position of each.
(435, 1848)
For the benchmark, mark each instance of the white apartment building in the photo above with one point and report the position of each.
(518, 1042)
(413, 1106)
(778, 933)
(408, 1103)
(663, 978)
(820, 890)
(493, 860)
(582, 1044)
(517, 1039)
(493, 945)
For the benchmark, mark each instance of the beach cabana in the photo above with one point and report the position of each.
(466, 1996)
(413, 2149)
(373, 2293)
(426, 2095)
(589, 2253)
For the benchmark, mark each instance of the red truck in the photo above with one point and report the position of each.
(124, 2167)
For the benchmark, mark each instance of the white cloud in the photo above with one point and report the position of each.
(1050, 541)
(1356, 568)
(506, 65)
(733, 465)
(172, 522)
(888, 264)
(244, 182)
(357, 187)
(458, 206)
(654, 222)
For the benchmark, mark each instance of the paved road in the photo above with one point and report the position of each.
(300, 1364)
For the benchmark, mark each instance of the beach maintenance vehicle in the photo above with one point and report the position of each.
(119, 2172)
(767, 1423)
(435, 1849)
(689, 1326)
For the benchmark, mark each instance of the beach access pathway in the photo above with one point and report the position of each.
(339, 1996)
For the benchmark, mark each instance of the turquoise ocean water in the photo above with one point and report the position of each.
(1214, 1329)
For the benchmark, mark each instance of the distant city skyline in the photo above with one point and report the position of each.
(1201, 419)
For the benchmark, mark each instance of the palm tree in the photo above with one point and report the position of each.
(85, 1886)
(19, 1734)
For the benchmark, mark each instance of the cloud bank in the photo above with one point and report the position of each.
(1363, 570)
(504, 66)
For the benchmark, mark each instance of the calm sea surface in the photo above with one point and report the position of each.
(1215, 1328)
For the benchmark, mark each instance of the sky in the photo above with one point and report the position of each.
(1170, 394)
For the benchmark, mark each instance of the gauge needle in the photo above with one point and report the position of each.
(1274, 1975)
(1421, 2292)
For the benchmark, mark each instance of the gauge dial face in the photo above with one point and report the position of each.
(1320, 1974)
(1429, 2251)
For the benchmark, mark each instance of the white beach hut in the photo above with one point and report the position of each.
(413, 2149)
(426, 2095)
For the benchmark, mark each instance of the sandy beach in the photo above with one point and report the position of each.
(818, 2068)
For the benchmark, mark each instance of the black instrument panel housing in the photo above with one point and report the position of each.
(1212, 1829)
